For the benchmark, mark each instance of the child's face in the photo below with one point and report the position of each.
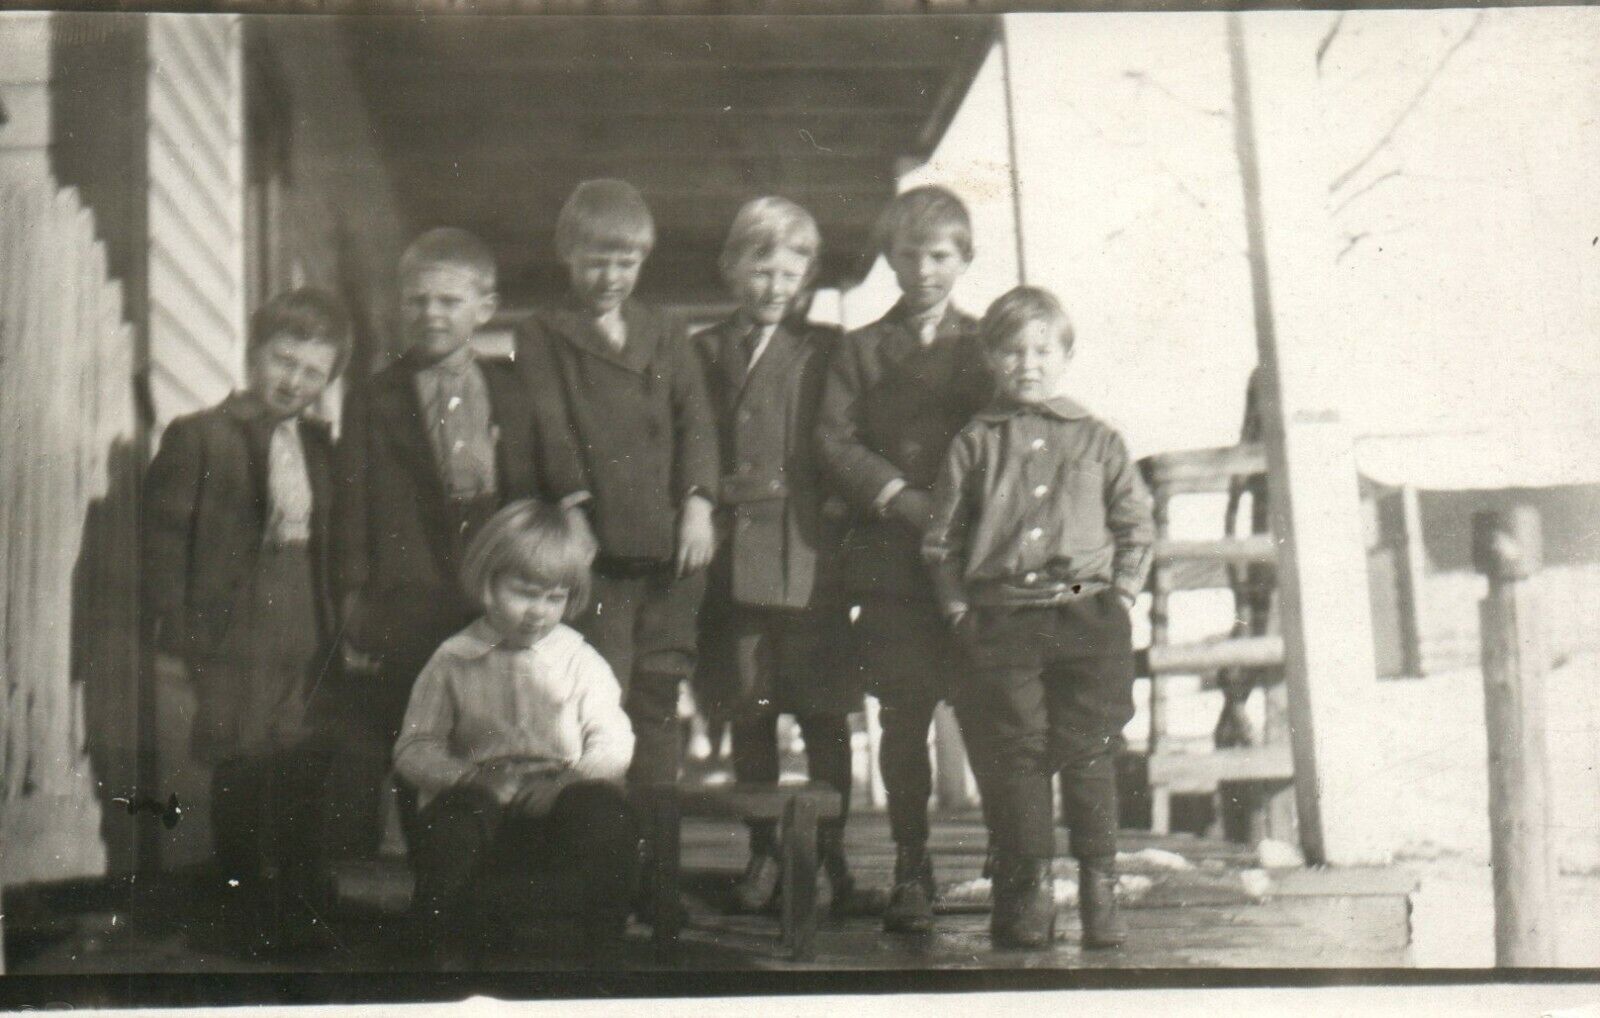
(288, 373)
(524, 611)
(1031, 364)
(604, 276)
(766, 285)
(926, 268)
(442, 306)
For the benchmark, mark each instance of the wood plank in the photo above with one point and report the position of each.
(1201, 575)
(1212, 655)
(1203, 772)
(1201, 470)
(1255, 549)
(28, 110)
(25, 40)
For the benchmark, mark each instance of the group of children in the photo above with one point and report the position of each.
(504, 570)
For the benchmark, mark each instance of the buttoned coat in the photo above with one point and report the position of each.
(204, 512)
(638, 417)
(890, 408)
(392, 514)
(771, 529)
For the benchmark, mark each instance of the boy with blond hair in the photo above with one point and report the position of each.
(618, 379)
(772, 613)
(433, 445)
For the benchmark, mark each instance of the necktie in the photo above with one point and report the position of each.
(748, 347)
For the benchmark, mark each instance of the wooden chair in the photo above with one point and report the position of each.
(798, 809)
(1261, 773)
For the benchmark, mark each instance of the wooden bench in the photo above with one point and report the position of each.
(797, 808)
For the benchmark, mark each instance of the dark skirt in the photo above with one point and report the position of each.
(252, 691)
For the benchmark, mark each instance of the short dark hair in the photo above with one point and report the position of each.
(535, 541)
(607, 212)
(451, 245)
(921, 213)
(307, 314)
(1016, 308)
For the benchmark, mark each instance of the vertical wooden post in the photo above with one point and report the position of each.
(1505, 547)
(1322, 572)
(1413, 570)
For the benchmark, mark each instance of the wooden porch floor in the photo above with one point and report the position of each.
(1191, 903)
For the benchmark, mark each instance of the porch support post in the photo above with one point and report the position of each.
(1327, 625)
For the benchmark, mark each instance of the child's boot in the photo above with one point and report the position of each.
(1025, 912)
(1103, 927)
(847, 899)
(910, 908)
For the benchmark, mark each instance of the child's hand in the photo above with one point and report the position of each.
(696, 538)
(913, 508)
(500, 779)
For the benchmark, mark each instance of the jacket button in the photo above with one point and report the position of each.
(1030, 578)
(1038, 444)
(773, 485)
(1041, 491)
(1035, 534)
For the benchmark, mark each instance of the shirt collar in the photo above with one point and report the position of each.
(480, 638)
(454, 363)
(247, 406)
(1062, 408)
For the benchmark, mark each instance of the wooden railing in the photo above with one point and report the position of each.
(1249, 772)
(67, 534)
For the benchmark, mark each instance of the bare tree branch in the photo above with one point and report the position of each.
(1416, 100)
(1392, 174)
(1327, 40)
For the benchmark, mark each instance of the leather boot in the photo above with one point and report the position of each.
(846, 897)
(910, 908)
(1000, 868)
(1103, 927)
(1030, 917)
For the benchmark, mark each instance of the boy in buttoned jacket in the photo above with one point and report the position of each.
(1038, 546)
(897, 392)
(772, 613)
(617, 378)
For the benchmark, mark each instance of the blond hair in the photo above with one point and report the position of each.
(606, 213)
(536, 542)
(766, 225)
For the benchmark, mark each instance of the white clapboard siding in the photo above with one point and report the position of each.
(67, 572)
(196, 211)
(25, 91)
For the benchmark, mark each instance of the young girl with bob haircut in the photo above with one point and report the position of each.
(515, 737)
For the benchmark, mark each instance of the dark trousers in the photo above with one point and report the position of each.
(904, 716)
(266, 818)
(1049, 692)
(755, 759)
(587, 840)
(643, 623)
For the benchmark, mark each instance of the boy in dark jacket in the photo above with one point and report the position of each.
(772, 615)
(236, 585)
(433, 445)
(897, 392)
(618, 378)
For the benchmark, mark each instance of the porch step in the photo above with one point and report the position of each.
(1202, 773)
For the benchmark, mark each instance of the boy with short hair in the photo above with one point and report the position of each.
(897, 392)
(1039, 545)
(618, 379)
(771, 615)
(432, 446)
(235, 577)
